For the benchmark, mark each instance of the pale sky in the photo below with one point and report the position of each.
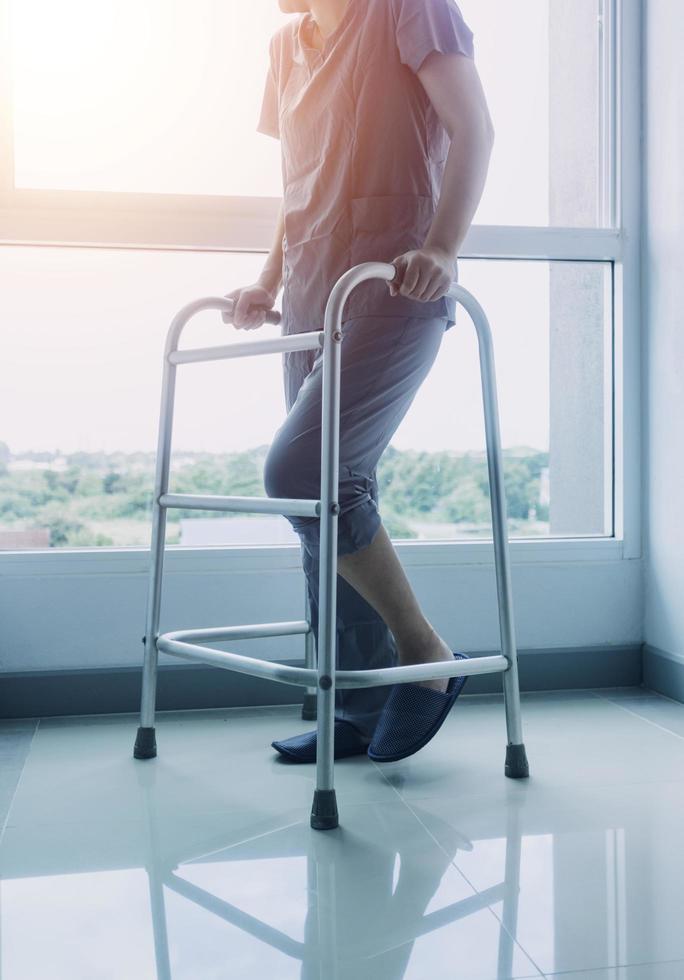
(164, 95)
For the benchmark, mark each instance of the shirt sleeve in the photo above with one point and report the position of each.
(423, 26)
(268, 117)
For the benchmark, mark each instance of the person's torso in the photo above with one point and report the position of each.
(363, 154)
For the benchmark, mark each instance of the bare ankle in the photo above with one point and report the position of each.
(415, 633)
(417, 646)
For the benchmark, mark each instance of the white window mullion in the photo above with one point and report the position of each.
(628, 296)
(146, 221)
(523, 242)
(607, 114)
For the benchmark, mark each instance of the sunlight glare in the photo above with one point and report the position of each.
(155, 96)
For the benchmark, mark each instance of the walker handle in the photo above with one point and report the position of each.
(272, 316)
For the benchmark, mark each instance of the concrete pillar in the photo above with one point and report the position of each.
(576, 295)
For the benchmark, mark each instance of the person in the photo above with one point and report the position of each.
(385, 144)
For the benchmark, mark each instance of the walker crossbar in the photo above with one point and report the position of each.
(261, 505)
(320, 676)
(295, 341)
(172, 644)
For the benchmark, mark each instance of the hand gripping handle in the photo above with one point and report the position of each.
(272, 316)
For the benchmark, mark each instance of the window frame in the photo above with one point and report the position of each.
(33, 217)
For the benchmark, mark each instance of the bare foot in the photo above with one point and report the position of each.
(435, 651)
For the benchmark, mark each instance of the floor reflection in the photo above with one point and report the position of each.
(373, 898)
(201, 863)
(240, 894)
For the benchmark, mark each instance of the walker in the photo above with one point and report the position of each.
(319, 678)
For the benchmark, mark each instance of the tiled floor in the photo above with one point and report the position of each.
(201, 863)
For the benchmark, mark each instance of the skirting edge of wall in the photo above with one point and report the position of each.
(116, 690)
(663, 672)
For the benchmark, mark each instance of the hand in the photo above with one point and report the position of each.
(424, 274)
(245, 317)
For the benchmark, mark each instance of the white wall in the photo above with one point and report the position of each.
(87, 610)
(663, 361)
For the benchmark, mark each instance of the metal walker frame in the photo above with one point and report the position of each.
(321, 677)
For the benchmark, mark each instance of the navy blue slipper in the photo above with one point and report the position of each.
(411, 716)
(302, 748)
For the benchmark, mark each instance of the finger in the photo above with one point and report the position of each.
(436, 294)
(252, 320)
(241, 311)
(412, 279)
(257, 320)
(427, 285)
(438, 290)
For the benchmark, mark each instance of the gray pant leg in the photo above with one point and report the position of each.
(384, 361)
(363, 641)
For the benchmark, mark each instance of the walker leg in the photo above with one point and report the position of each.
(324, 814)
(145, 742)
(516, 766)
(516, 759)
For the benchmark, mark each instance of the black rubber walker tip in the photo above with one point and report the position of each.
(516, 761)
(145, 744)
(324, 814)
(309, 707)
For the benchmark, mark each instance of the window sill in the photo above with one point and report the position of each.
(80, 561)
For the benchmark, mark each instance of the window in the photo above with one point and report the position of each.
(540, 65)
(93, 336)
(154, 160)
(162, 84)
(117, 107)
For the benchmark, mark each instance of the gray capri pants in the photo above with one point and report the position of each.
(384, 360)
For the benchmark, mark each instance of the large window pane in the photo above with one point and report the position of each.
(154, 97)
(539, 64)
(79, 402)
(163, 97)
